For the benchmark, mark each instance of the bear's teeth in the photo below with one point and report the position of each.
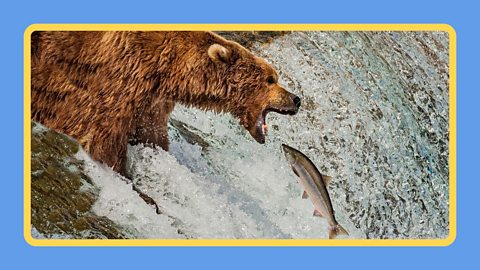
(264, 129)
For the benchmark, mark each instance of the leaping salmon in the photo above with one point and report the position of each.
(315, 185)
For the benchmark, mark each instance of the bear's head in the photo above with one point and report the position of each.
(249, 87)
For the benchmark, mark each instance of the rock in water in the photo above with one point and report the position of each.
(62, 194)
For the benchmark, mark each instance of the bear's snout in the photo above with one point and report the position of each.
(297, 102)
(288, 104)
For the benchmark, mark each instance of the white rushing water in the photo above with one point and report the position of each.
(374, 116)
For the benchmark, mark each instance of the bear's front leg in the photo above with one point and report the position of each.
(110, 147)
(151, 126)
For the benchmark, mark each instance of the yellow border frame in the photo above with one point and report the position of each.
(241, 242)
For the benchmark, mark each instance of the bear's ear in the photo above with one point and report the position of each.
(219, 54)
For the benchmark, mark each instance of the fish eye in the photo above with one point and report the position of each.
(270, 80)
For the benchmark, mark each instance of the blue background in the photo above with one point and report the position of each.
(15, 17)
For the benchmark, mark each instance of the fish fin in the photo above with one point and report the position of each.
(336, 230)
(341, 230)
(317, 213)
(326, 179)
(304, 195)
(295, 172)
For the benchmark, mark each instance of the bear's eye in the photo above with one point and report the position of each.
(270, 80)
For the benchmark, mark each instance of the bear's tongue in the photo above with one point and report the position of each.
(263, 122)
(264, 129)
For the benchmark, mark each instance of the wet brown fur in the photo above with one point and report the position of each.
(108, 88)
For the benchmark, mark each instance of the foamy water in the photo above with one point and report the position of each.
(374, 116)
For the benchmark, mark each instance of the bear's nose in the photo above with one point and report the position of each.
(297, 101)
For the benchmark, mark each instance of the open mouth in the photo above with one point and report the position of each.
(261, 126)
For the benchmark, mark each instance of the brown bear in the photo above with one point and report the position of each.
(108, 88)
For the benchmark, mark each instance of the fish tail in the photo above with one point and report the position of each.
(336, 230)
(341, 230)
